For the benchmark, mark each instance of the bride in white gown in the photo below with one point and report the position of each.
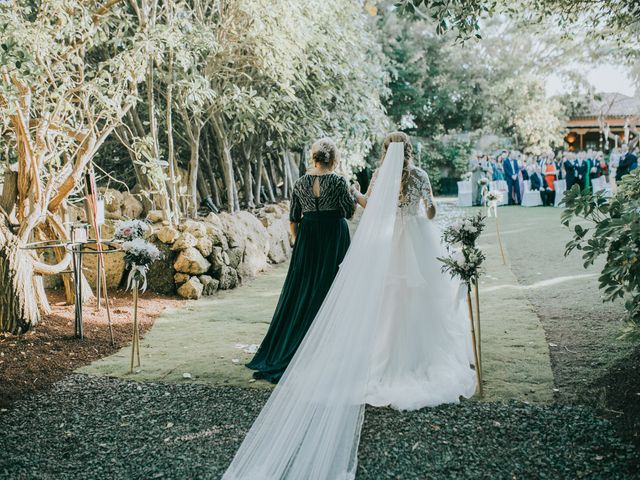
(423, 350)
(391, 331)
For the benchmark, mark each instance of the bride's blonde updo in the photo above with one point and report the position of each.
(400, 137)
(325, 152)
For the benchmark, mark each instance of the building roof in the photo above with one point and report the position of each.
(614, 105)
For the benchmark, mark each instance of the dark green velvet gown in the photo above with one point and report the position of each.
(321, 244)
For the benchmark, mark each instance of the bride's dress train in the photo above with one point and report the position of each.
(422, 352)
(390, 331)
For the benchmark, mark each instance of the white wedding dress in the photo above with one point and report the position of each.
(423, 350)
(391, 331)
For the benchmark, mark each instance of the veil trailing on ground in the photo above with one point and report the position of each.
(310, 426)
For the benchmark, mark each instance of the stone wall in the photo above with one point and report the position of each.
(199, 256)
(218, 252)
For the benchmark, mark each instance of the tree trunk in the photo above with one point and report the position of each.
(9, 191)
(267, 182)
(226, 163)
(153, 130)
(173, 191)
(194, 159)
(258, 179)
(18, 300)
(285, 175)
(208, 169)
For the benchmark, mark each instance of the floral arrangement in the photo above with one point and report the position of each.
(127, 230)
(465, 262)
(494, 196)
(138, 255)
(140, 252)
(484, 181)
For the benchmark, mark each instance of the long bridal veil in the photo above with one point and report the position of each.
(310, 426)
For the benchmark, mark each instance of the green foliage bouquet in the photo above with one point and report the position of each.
(465, 263)
(615, 234)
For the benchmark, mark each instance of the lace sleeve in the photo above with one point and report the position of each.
(426, 191)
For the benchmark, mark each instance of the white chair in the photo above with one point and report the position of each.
(560, 186)
(464, 194)
(601, 183)
(502, 187)
(530, 198)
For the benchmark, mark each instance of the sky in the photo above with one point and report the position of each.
(605, 78)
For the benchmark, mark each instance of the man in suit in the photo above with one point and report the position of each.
(627, 160)
(581, 167)
(558, 164)
(511, 170)
(570, 170)
(538, 182)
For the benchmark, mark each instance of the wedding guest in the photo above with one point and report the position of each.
(497, 169)
(539, 183)
(636, 154)
(523, 174)
(582, 173)
(570, 170)
(599, 167)
(627, 160)
(558, 162)
(550, 172)
(477, 173)
(511, 171)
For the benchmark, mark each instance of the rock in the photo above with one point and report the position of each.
(217, 259)
(131, 206)
(228, 278)
(167, 234)
(257, 245)
(184, 241)
(192, 289)
(233, 230)
(280, 240)
(233, 257)
(210, 285)
(155, 216)
(195, 228)
(181, 278)
(160, 277)
(112, 201)
(191, 261)
(212, 218)
(217, 236)
(205, 245)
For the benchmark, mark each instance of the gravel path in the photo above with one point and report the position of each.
(96, 427)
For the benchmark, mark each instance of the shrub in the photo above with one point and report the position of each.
(615, 234)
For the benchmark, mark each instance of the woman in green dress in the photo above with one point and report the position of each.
(320, 203)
